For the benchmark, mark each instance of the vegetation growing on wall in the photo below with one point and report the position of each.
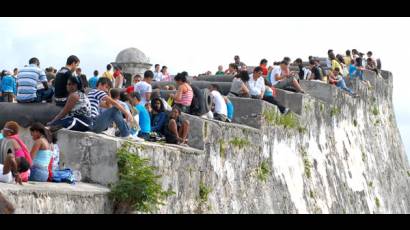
(138, 187)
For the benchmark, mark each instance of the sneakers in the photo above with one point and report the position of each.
(133, 138)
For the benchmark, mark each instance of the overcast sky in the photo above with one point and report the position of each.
(200, 44)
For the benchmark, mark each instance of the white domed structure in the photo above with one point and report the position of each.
(132, 61)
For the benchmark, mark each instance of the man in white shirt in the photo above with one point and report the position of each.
(157, 73)
(256, 83)
(221, 110)
(144, 87)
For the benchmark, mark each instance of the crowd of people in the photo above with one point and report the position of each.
(140, 111)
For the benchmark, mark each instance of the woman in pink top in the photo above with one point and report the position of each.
(165, 75)
(10, 132)
(184, 95)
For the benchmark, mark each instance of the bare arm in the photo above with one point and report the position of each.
(35, 148)
(119, 107)
(71, 101)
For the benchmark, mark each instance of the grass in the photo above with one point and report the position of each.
(377, 202)
(205, 129)
(306, 163)
(138, 188)
(287, 121)
(312, 194)
(377, 122)
(263, 171)
(335, 111)
(204, 192)
(355, 123)
(370, 184)
(322, 107)
(375, 111)
(408, 173)
(222, 148)
(239, 142)
(363, 156)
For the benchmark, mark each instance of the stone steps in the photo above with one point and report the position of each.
(57, 198)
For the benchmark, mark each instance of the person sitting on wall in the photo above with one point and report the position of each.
(10, 132)
(282, 78)
(238, 87)
(220, 111)
(220, 71)
(336, 78)
(230, 108)
(32, 84)
(232, 69)
(76, 114)
(62, 76)
(159, 116)
(93, 81)
(144, 87)
(16, 165)
(263, 64)
(40, 153)
(113, 112)
(184, 95)
(135, 80)
(144, 117)
(176, 131)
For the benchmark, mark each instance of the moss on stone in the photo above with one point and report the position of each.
(239, 142)
(335, 111)
(263, 171)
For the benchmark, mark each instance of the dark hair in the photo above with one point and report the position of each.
(76, 81)
(23, 166)
(329, 51)
(15, 69)
(156, 65)
(298, 60)
(162, 108)
(348, 52)
(136, 75)
(79, 69)
(103, 81)
(181, 76)
(72, 59)
(163, 67)
(257, 69)
(95, 72)
(312, 62)
(276, 63)
(34, 60)
(124, 96)
(352, 61)
(243, 75)
(177, 109)
(337, 69)
(54, 138)
(41, 129)
(109, 67)
(115, 93)
(332, 56)
(264, 61)
(148, 74)
(135, 95)
(340, 58)
(284, 62)
(215, 86)
(370, 53)
(233, 65)
(354, 51)
(287, 59)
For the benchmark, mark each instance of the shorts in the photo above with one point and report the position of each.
(7, 178)
(219, 117)
(39, 174)
(183, 108)
(76, 123)
(285, 83)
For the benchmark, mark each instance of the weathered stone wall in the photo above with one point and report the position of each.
(344, 155)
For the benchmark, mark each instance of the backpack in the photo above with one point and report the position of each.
(64, 175)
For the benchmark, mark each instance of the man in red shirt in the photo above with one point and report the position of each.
(263, 65)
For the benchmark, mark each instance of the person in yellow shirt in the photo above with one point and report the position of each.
(334, 63)
(108, 74)
(348, 58)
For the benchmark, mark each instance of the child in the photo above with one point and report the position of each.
(8, 87)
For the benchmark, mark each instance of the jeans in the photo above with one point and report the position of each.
(272, 100)
(105, 119)
(39, 174)
(342, 84)
(76, 123)
(42, 95)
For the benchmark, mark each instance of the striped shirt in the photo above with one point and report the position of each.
(27, 81)
(95, 96)
(186, 97)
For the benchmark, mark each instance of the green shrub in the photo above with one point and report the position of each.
(138, 188)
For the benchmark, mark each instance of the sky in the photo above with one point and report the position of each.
(200, 44)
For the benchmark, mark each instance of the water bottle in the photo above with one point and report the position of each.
(77, 175)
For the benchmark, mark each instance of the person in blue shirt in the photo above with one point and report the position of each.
(93, 81)
(230, 109)
(8, 87)
(158, 116)
(144, 119)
